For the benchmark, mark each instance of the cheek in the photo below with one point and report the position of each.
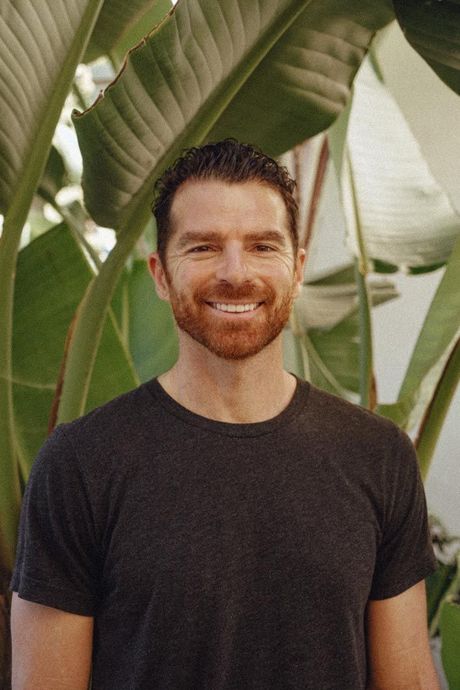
(180, 273)
(280, 268)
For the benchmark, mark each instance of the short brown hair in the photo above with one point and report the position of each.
(226, 160)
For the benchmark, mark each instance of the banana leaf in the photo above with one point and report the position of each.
(433, 29)
(145, 322)
(431, 111)
(371, 207)
(325, 303)
(449, 625)
(407, 219)
(437, 408)
(439, 332)
(40, 51)
(52, 275)
(327, 327)
(136, 32)
(118, 22)
(183, 82)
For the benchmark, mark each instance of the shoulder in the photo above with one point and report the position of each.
(114, 419)
(349, 419)
(355, 434)
(105, 437)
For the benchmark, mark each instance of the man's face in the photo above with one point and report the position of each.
(230, 274)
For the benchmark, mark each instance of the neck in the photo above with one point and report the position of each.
(237, 391)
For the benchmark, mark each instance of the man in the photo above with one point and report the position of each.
(225, 526)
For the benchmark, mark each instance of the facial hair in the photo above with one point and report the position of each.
(231, 339)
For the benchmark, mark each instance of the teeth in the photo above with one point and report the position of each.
(235, 307)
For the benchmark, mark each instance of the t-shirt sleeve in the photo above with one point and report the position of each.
(56, 560)
(405, 555)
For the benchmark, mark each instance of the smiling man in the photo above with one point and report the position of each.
(225, 526)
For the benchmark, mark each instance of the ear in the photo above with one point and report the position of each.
(299, 270)
(158, 274)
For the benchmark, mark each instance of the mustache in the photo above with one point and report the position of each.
(245, 291)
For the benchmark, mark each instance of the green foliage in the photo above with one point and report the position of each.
(275, 73)
(146, 322)
(122, 23)
(449, 624)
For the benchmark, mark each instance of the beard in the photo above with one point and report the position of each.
(232, 340)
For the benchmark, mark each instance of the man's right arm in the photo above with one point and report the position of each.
(52, 649)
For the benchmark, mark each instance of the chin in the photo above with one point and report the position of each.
(234, 341)
(236, 346)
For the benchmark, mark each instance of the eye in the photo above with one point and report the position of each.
(200, 248)
(264, 248)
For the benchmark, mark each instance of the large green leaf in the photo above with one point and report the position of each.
(146, 322)
(320, 53)
(435, 415)
(327, 301)
(118, 19)
(406, 217)
(439, 329)
(433, 29)
(438, 335)
(185, 77)
(304, 82)
(41, 48)
(319, 372)
(326, 312)
(450, 635)
(52, 276)
(141, 28)
(430, 109)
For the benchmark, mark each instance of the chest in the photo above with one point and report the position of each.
(242, 527)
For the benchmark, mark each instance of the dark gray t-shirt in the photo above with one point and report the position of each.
(219, 556)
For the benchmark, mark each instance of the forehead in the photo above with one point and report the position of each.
(221, 206)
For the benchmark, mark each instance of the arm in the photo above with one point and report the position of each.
(51, 648)
(398, 645)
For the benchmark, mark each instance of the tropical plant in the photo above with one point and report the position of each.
(74, 328)
(449, 624)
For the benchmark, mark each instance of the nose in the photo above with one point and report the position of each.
(232, 267)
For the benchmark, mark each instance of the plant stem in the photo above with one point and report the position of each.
(78, 95)
(433, 420)
(10, 492)
(89, 324)
(368, 387)
(316, 192)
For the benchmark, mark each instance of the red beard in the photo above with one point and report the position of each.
(231, 339)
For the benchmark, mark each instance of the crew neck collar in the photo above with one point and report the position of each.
(296, 403)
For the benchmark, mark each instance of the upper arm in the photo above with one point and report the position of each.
(51, 648)
(398, 645)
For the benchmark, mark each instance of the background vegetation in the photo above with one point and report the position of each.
(79, 327)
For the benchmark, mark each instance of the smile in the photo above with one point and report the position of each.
(234, 308)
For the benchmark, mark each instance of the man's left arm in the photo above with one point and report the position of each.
(399, 656)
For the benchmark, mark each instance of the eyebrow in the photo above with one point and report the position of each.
(261, 236)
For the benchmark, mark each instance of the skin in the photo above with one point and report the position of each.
(51, 648)
(398, 644)
(223, 249)
(229, 243)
